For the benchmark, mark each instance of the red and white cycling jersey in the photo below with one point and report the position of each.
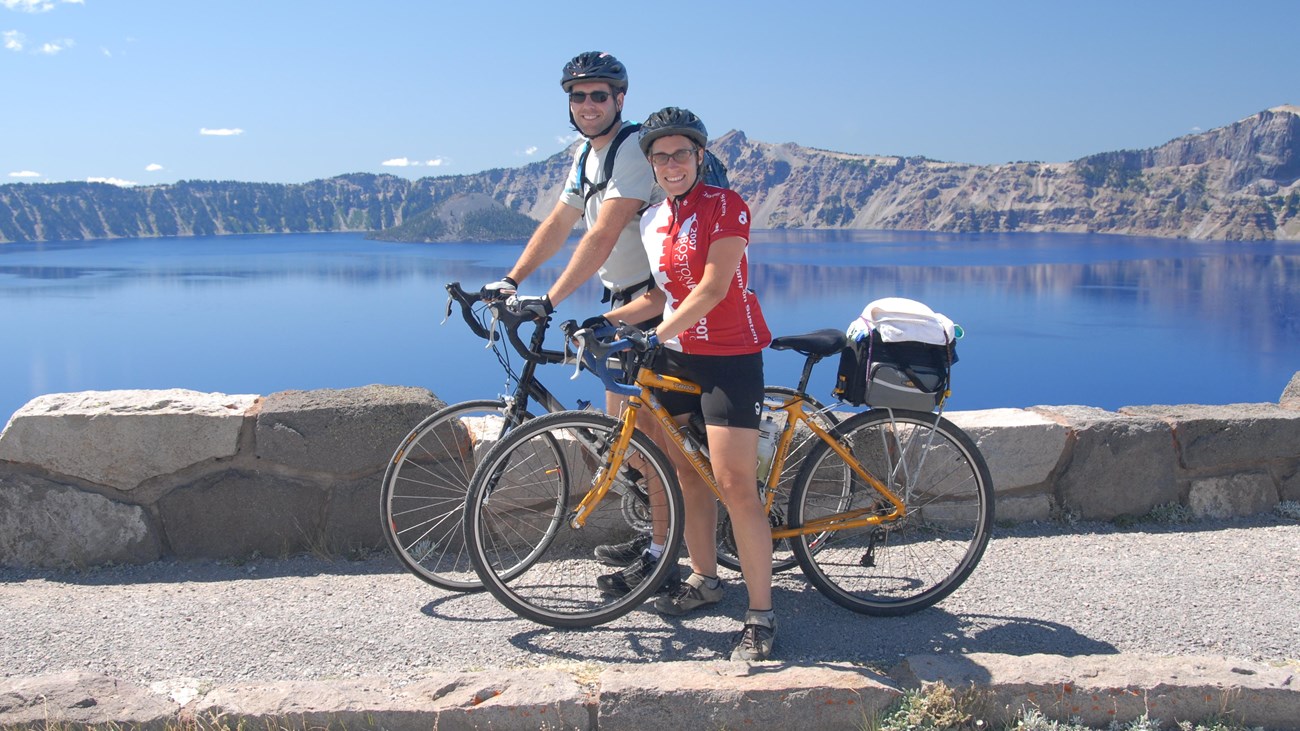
(677, 234)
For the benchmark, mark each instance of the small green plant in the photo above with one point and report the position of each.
(1065, 514)
(940, 708)
(1288, 509)
(1165, 514)
(936, 708)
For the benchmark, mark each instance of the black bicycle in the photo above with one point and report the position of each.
(428, 477)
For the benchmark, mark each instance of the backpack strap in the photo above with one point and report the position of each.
(589, 187)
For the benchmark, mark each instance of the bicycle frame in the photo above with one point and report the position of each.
(640, 396)
(527, 385)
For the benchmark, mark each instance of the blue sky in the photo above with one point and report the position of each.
(155, 91)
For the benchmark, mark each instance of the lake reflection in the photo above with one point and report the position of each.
(1050, 318)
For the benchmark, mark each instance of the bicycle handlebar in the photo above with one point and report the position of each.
(512, 321)
(596, 345)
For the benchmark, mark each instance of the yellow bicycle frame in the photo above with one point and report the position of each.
(795, 414)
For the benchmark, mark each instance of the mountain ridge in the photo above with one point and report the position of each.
(1237, 182)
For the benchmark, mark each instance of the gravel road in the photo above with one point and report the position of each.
(1212, 588)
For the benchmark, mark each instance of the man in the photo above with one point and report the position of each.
(596, 84)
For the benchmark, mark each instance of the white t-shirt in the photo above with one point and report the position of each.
(631, 178)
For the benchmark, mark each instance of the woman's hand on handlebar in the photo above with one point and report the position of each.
(643, 341)
(599, 334)
(596, 322)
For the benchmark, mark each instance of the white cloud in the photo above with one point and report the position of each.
(16, 41)
(531, 150)
(567, 140)
(36, 6)
(113, 181)
(153, 167)
(24, 174)
(403, 162)
(53, 47)
(221, 132)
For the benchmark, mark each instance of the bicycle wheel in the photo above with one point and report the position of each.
(423, 495)
(517, 520)
(905, 565)
(802, 443)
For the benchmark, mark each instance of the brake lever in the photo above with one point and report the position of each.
(492, 331)
(447, 316)
(577, 361)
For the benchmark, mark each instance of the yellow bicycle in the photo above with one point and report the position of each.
(889, 512)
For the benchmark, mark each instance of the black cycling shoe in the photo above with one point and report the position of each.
(620, 583)
(622, 554)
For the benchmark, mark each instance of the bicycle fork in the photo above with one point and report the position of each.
(606, 475)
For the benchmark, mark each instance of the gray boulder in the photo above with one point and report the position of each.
(45, 524)
(1119, 464)
(350, 432)
(100, 437)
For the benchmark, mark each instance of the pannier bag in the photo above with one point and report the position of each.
(899, 356)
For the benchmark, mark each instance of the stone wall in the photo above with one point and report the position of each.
(133, 476)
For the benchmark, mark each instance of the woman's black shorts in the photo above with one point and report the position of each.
(732, 387)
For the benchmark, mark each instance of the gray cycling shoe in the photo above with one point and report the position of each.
(757, 638)
(622, 554)
(689, 596)
(622, 582)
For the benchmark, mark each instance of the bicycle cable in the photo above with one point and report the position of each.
(496, 336)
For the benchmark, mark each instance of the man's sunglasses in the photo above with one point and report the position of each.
(600, 97)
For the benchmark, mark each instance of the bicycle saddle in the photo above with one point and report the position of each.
(819, 342)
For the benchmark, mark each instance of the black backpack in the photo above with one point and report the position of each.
(714, 172)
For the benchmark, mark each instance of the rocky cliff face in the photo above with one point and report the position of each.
(1237, 182)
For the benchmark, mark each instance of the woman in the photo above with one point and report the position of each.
(713, 333)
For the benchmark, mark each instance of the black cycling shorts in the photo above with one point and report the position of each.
(732, 387)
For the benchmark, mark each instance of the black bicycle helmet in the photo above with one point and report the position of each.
(672, 121)
(595, 66)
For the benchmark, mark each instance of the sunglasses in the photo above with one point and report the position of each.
(681, 157)
(600, 97)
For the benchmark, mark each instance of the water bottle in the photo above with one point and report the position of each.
(695, 428)
(767, 435)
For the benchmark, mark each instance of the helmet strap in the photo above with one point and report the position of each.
(618, 119)
(699, 175)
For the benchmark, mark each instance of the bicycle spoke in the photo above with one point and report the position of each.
(517, 522)
(800, 446)
(424, 490)
(912, 562)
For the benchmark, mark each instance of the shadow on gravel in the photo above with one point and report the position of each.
(205, 570)
(465, 607)
(1120, 526)
(811, 630)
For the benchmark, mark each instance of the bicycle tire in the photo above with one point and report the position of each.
(519, 505)
(424, 489)
(783, 558)
(906, 565)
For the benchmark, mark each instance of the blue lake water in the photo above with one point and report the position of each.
(1049, 318)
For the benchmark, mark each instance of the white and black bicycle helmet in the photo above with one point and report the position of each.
(672, 121)
(595, 66)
